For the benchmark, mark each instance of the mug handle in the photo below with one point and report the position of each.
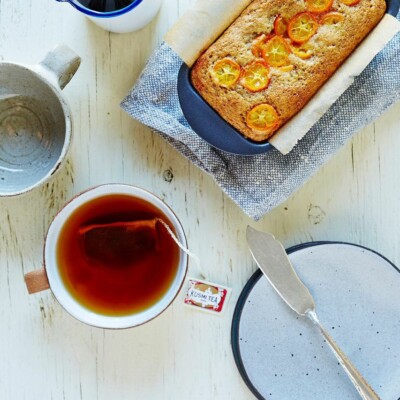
(37, 281)
(59, 65)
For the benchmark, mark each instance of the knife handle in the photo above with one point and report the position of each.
(364, 389)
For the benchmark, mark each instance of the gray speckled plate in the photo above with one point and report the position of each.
(282, 356)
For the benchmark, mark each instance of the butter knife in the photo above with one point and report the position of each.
(273, 261)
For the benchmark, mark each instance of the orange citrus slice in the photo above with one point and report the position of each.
(350, 2)
(319, 6)
(302, 27)
(287, 68)
(332, 18)
(304, 51)
(255, 76)
(226, 72)
(280, 25)
(262, 118)
(276, 52)
(259, 44)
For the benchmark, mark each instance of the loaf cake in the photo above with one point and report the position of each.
(275, 56)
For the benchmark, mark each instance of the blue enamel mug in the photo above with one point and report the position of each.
(119, 16)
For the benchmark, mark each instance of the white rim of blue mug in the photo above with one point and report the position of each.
(91, 13)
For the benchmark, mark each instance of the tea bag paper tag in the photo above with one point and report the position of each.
(207, 296)
(202, 295)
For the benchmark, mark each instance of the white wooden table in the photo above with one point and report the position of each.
(45, 353)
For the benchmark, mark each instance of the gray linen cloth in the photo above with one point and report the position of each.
(259, 183)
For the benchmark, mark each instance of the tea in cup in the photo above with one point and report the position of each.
(110, 260)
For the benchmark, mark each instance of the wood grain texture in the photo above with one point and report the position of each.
(46, 354)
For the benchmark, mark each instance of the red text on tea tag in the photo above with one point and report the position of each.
(207, 296)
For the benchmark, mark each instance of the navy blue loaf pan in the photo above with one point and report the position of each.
(215, 130)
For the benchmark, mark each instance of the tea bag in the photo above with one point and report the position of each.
(119, 242)
(124, 242)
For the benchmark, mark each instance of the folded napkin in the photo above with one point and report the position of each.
(259, 183)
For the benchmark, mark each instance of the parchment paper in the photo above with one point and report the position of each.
(197, 29)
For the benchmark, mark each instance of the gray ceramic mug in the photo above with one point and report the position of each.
(35, 120)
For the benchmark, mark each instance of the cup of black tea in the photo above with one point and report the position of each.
(110, 259)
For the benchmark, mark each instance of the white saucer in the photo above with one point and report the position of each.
(282, 356)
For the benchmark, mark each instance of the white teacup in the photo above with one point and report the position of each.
(35, 120)
(49, 276)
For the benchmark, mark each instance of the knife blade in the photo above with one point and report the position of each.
(271, 258)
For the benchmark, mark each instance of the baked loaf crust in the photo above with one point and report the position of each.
(292, 85)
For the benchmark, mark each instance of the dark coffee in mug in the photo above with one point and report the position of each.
(114, 257)
(105, 5)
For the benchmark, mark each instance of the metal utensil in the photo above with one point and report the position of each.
(273, 261)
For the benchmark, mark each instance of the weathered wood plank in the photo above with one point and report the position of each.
(46, 354)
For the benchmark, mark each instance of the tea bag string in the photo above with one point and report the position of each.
(182, 247)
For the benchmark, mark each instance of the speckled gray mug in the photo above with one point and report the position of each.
(35, 120)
